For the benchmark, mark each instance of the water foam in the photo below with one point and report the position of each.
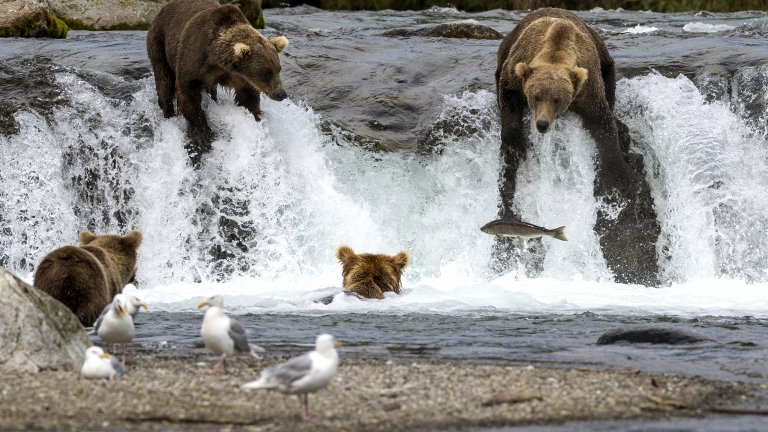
(295, 193)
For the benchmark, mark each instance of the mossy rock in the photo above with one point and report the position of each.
(41, 24)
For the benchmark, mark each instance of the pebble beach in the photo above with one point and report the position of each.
(165, 393)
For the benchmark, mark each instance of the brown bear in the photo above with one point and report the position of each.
(371, 275)
(194, 45)
(553, 62)
(86, 277)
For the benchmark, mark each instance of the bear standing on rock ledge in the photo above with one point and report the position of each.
(553, 62)
(194, 45)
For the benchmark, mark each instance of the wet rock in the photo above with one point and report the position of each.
(329, 298)
(30, 18)
(459, 30)
(651, 335)
(36, 331)
(627, 224)
(106, 14)
(133, 15)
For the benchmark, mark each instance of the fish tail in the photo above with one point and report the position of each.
(559, 233)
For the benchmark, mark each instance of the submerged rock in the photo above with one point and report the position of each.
(36, 331)
(30, 18)
(652, 335)
(460, 30)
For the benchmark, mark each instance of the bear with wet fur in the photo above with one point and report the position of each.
(195, 45)
(553, 62)
(85, 278)
(371, 275)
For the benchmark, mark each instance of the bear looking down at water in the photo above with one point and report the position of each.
(85, 278)
(371, 275)
(553, 62)
(194, 45)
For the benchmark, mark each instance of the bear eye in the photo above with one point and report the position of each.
(537, 98)
(268, 74)
(556, 101)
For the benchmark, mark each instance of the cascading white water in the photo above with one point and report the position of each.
(262, 218)
(710, 176)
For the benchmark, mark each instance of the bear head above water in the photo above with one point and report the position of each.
(371, 275)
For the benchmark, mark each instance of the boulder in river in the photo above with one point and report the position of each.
(459, 30)
(30, 18)
(651, 335)
(37, 332)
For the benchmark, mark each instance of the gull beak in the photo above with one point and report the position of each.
(338, 344)
(202, 303)
(105, 355)
(145, 306)
(122, 311)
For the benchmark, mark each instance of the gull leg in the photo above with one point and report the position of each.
(216, 368)
(304, 399)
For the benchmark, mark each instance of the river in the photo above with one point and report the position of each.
(389, 144)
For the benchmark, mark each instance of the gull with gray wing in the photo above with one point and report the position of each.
(223, 335)
(304, 374)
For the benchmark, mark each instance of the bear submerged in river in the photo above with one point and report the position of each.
(553, 62)
(86, 277)
(195, 45)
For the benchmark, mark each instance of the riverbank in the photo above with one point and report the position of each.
(168, 393)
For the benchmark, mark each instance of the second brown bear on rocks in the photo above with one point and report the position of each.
(195, 45)
(86, 277)
(371, 275)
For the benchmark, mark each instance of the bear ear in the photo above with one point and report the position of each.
(345, 254)
(240, 51)
(133, 239)
(523, 71)
(87, 237)
(578, 76)
(279, 42)
(401, 259)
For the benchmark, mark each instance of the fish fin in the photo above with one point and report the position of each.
(559, 233)
(499, 236)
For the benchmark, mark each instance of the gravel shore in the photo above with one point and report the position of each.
(160, 393)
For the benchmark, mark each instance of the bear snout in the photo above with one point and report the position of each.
(542, 125)
(279, 95)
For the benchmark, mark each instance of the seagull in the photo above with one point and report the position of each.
(223, 335)
(99, 364)
(115, 324)
(304, 374)
(134, 304)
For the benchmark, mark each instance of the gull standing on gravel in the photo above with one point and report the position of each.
(99, 364)
(304, 374)
(223, 335)
(115, 324)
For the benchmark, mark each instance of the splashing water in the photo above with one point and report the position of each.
(262, 218)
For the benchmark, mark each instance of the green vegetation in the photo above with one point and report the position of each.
(482, 5)
(54, 28)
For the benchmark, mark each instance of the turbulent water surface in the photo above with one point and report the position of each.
(391, 143)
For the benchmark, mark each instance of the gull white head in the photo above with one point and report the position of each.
(134, 304)
(95, 352)
(120, 304)
(326, 344)
(212, 301)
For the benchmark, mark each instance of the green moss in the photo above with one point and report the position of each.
(259, 21)
(54, 28)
